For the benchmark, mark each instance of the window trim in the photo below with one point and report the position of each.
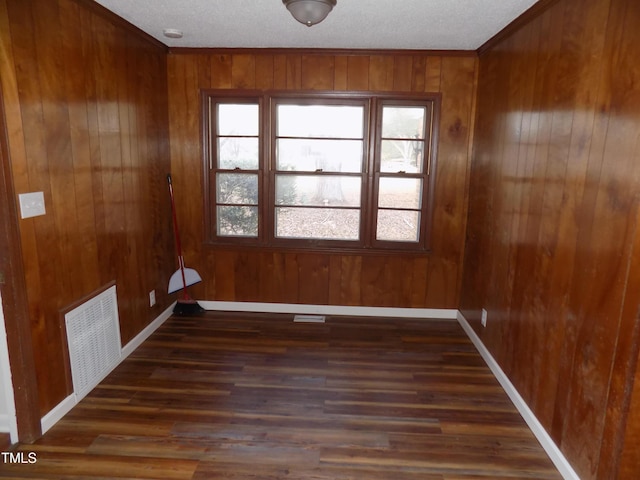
(266, 101)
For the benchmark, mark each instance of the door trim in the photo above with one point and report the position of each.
(14, 301)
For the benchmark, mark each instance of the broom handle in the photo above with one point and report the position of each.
(177, 235)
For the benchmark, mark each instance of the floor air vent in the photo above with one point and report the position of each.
(93, 335)
(309, 318)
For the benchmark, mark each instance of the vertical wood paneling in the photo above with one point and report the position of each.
(350, 271)
(80, 143)
(372, 285)
(291, 278)
(294, 72)
(221, 73)
(432, 74)
(553, 222)
(264, 72)
(402, 73)
(279, 72)
(334, 277)
(381, 72)
(86, 111)
(243, 72)
(605, 229)
(449, 216)
(246, 272)
(204, 70)
(418, 74)
(621, 427)
(415, 280)
(317, 72)
(224, 279)
(358, 72)
(341, 73)
(419, 281)
(625, 392)
(313, 278)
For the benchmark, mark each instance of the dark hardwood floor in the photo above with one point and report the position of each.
(239, 396)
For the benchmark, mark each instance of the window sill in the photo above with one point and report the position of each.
(324, 250)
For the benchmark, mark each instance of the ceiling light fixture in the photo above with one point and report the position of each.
(172, 33)
(309, 12)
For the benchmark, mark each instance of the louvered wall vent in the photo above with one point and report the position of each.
(93, 334)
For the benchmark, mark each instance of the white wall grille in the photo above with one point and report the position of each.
(93, 335)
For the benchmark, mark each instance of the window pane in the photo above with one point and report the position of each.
(318, 190)
(234, 152)
(400, 193)
(237, 119)
(238, 221)
(318, 223)
(237, 188)
(401, 156)
(332, 121)
(403, 122)
(398, 226)
(310, 155)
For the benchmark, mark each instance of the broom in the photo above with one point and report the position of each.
(183, 277)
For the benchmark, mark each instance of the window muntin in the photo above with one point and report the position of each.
(320, 170)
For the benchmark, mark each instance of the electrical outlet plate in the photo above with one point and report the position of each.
(484, 318)
(152, 298)
(31, 204)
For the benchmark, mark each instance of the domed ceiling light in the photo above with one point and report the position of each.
(309, 12)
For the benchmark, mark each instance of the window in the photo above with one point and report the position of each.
(237, 169)
(319, 170)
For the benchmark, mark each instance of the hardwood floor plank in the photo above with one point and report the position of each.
(148, 446)
(304, 435)
(435, 463)
(247, 396)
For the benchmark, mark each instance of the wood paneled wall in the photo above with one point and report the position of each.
(86, 112)
(408, 280)
(553, 222)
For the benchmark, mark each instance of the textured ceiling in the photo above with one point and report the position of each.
(353, 24)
